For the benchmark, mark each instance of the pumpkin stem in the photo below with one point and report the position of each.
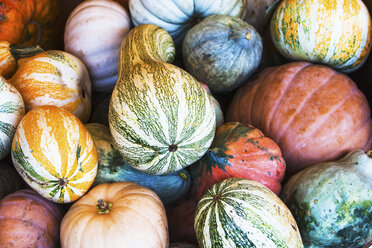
(39, 31)
(23, 52)
(62, 182)
(103, 207)
(248, 36)
(173, 148)
(369, 153)
(183, 175)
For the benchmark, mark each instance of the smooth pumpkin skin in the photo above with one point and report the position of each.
(238, 212)
(243, 151)
(98, 49)
(21, 21)
(113, 168)
(178, 16)
(335, 33)
(55, 78)
(29, 220)
(55, 154)
(222, 51)
(10, 181)
(332, 202)
(136, 219)
(12, 109)
(311, 111)
(160, 117)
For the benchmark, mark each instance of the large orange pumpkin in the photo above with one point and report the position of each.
(31, 22)
(311, 111)
(121, 214)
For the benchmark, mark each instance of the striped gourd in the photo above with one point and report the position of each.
(54, 154)
(160, 117)
(336, 33)
(12, 109)
(240, 212)
(54, 78)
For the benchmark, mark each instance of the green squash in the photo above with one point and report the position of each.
(161, 118)
(113, 168)
(238, 212)
(222, 52)
(332, 202)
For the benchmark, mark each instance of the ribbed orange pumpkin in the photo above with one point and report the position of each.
(311, 111)
(55, 154)
(54, 78)
(28, 21)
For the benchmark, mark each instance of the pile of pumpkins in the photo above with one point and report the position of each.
(175, 123)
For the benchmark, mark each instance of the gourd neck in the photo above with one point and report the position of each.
(103, 207)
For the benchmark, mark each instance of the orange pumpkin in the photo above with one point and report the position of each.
(31, 22)
(311, 111)
(121, 214)
(55, 154)
(54, 78)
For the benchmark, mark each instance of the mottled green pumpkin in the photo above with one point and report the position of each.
(332, 202)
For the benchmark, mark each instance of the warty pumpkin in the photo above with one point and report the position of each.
(55, 154)
(54, 78)
(160, 117)
(311, 111)
(120, 214)
(93, 33)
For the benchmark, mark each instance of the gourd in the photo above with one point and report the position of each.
(10, 181)
(222, 51)
(311, 111)
(178, 16)
(12, 109)
(55, 154)
(93, 33)
(126, 215)
(160, 117)
(332, 201)
(239, 150)
(113, 168)
(335, 33)
(54, 78)
(29, 220)
(31, 22)
(238, 212)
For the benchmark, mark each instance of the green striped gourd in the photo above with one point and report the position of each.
(12, 109)
(160, 117)
(240, 212)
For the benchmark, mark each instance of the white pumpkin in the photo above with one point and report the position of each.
(93, 32)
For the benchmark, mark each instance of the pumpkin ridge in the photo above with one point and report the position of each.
(300, 106)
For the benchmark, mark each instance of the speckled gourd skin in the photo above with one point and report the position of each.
(332, 202)
(222, 52)
(160, 117)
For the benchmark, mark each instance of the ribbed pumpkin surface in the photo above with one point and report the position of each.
(312, 112)
(239, 212)
(12, 109)
(337, 33)
(54, 78)
(160, 117)
(55, 154)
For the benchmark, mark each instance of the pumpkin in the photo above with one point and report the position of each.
(217, 107)
(311, 111)
(29, 220)
(121, 214)
(54, 154)
(222, 52)
(240, 212)
(113, 168)
(54, 78)
(239, 150)
(12, 109)
(31, 22)
(98, 49)
(10, 181)
(178, 16)
(9, 55)
(332, 201)
(160, 117)
(335, 33)
(259, 13)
